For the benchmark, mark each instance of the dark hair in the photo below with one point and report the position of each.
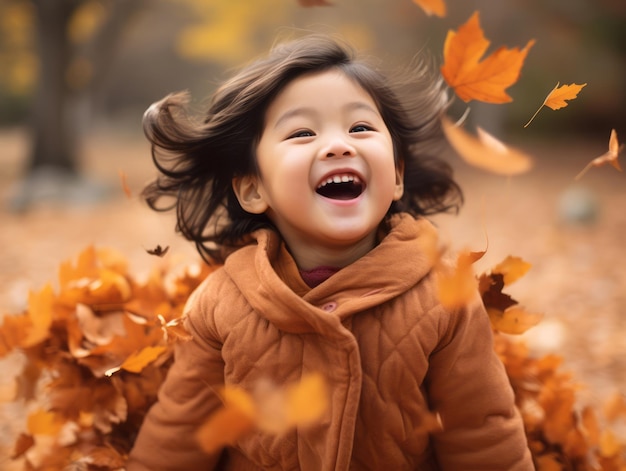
(198, 159)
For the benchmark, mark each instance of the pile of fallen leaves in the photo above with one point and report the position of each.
(96, 353)
(98, 350)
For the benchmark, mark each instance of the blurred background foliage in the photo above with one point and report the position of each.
(67, 66)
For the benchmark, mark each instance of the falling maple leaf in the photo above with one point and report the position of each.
(158, 251)
(558, 97)
(124, 182)
(269, 407)
(511, 268)
(456, 285)
(504, 312)
(475, 79)
(609, 157)
(485, 151)
(432, 7)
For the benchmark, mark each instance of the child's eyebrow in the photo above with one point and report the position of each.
(306, 111)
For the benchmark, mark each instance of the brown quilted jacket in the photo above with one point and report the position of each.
(386, 346)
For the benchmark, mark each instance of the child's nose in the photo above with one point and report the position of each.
(338, 147)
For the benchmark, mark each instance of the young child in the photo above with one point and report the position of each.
(310, 180)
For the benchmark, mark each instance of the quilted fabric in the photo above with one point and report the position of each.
(376, 331)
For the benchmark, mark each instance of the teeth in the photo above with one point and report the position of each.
(345, 178)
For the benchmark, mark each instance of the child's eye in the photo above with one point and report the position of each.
(301, 133)
(361, 128)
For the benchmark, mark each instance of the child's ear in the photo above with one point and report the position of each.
(246, 189)
(399, 188)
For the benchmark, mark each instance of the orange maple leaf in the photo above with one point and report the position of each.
(432, 7)
(473, 79)
(486, 151)
(609, 157)
(139, 360)
(558, 97)
(504, 312)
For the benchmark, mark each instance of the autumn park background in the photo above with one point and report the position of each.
(77, 75)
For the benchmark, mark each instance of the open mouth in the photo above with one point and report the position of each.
(341, 187)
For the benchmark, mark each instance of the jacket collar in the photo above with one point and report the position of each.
(268, 277)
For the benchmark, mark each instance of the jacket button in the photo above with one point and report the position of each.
(330, 307)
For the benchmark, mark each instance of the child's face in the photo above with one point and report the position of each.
(327, 169)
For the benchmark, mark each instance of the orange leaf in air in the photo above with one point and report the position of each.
(485, 151)
(270, 408)
(458, 285)
(609, 157)
(556, 99)
(513, 320)
(432, 7)
(504, 312)
(125, 187)
(236, 419)
(511, 268)
(475, 79)
(307, 400)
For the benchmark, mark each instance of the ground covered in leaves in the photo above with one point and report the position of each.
(570, 232)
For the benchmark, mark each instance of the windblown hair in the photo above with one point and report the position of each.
(197, 159)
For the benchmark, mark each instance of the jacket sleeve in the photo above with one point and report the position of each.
(468, 386)
(166, 440)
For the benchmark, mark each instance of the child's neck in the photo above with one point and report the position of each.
(309, 256)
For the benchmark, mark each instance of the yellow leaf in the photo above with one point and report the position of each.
(270, 408)
(43, 422)
(548, 463)
(512, 269)
(473, 79)
(237, 398)
(432, 7)
(40, 312)
(513, 320)
(458, 285)
(556, 99)
(138, 361)
(609, 156)
(237, 418)
(224, 428)
(486, 152)
(609, 444)
(307, 400)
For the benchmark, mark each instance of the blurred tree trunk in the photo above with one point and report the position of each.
(58, 113)
(52, 127)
